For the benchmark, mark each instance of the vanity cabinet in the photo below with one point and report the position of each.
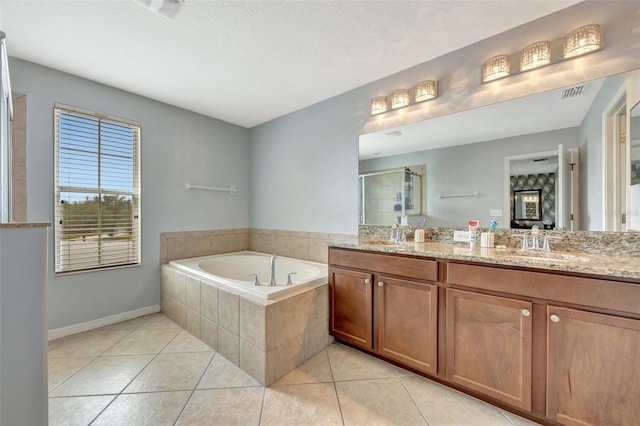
(406, 317)
(585, 356)
(351, 306)
(489, 342)
(386, 305)
(593, 368)
(562, 348)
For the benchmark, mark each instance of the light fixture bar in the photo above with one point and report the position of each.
(578, 42)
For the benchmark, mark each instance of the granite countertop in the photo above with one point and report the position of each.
(606, 265)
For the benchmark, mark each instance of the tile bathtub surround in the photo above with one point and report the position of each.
(266, 339)
(310, 246)
(183, 245)
(187, 382)
(626, 243)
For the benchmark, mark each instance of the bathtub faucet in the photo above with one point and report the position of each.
(272, 267)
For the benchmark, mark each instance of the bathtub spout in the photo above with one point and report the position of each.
(272, 268)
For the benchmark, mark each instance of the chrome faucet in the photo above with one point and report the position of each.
(535, 244)
(272, 268)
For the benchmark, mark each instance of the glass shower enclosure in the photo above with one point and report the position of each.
(385, 197)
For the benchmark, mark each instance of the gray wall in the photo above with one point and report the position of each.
(305, 165)
(468, 168)
(176, 146)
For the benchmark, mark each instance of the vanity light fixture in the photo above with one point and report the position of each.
(582, 40)
(379, 105)
(495, 68)
(535, 55)
(426, 90)
(400, 98)
(578, 42)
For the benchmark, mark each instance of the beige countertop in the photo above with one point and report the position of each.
(583, 263)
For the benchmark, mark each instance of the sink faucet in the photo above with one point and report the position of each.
(535, 245)
(272, 268)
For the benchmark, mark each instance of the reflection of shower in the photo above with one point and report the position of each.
(386, 196)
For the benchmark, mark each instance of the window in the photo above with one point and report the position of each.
(97, 188)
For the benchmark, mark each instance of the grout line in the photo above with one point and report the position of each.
(139, 373)
(333, 380)
(193, 391)
(413, 399)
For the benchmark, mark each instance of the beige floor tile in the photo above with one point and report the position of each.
(222, 373)
(349, 364)
(143, 341)
(90, 343)
(169, 372)
(159, 321)
(60, 369)
(104, 375)
(238, 406)
(144, 409)
(76, 410)
(303, 404)
(186, 342)
(377, 401)
(314, 370)
(442, 406)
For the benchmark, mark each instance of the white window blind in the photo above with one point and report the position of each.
(97, 189)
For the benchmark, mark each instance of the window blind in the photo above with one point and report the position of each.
(97, 191)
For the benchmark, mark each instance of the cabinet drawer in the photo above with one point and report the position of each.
(422, 269)
(603, 294)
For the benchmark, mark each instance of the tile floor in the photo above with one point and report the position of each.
(149, 371)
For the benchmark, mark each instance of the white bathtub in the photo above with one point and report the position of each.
(234, 269)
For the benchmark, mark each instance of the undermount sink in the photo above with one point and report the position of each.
(547, 257)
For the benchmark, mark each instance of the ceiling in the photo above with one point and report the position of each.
(248, 62)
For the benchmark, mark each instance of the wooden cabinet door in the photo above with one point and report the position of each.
(351, 306)
(406, 315)
(489, 345)
(593, 368)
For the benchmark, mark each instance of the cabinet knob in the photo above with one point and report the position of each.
(380, 283)
(367, 281)
(554, 318)
(526, 312)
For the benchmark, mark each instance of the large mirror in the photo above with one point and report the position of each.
(472, 157)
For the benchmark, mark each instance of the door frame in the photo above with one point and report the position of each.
(613, 190)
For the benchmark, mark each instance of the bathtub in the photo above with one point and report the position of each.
(234, 269)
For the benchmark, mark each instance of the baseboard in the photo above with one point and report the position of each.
(101, 322)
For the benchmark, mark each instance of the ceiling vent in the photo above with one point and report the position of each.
(575, 91)
(394, 133)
